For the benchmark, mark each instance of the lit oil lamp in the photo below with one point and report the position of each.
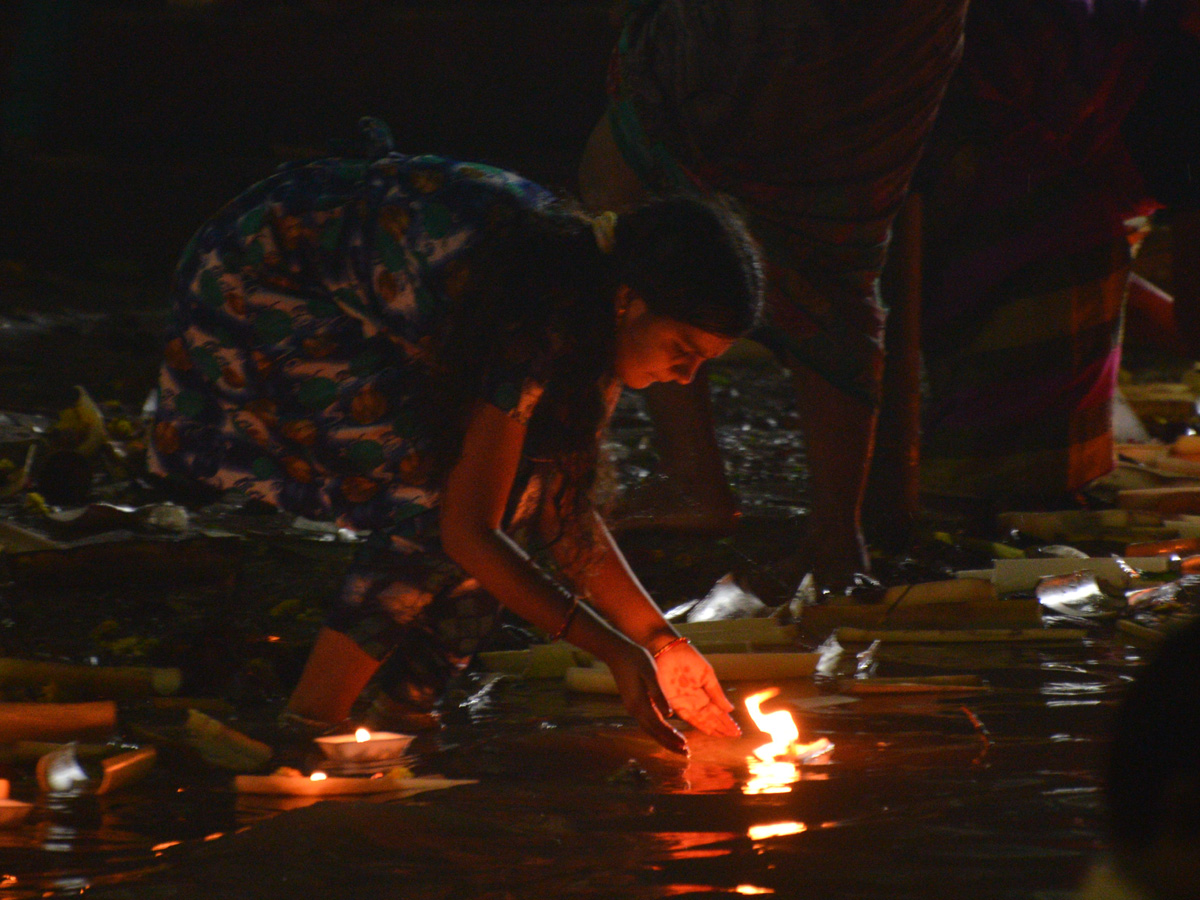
(364, 747)
(775, 766)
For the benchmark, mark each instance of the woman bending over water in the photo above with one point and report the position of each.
(429, 350)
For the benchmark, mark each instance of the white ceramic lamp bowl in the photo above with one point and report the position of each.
(379, 746)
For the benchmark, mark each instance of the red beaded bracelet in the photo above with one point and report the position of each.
(668, 645)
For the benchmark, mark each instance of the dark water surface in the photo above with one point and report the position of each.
(982, 795)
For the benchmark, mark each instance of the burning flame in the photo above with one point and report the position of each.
(779, 725)
(776, 767)
(362, 735)
(318, 776)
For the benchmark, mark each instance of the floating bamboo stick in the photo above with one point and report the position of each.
(956, 590)
(1017, 612)
(125, 769)
(539, 661)
(968, 636)
(194, 560)
(1068, 526)
(1182, 546)
(15, 539)
(56, 721)
(108, 682)
(1009, 575)
(297, 785)
(764, 632)
(924, 684)
(31, 751)
(1165, 500)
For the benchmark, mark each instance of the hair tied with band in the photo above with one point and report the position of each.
(604, 227)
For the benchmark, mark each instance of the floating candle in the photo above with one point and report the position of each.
(364, 746)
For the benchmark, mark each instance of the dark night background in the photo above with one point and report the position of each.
(128, 122)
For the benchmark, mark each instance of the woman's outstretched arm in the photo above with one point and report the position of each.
(684, 674)
(472, 508)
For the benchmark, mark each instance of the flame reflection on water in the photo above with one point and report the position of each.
(694, 844)
(775, 829)
(774, 777)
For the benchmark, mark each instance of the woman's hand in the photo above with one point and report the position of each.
(634, 672)
(691, 687)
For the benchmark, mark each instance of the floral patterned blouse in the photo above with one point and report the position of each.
(304, 312)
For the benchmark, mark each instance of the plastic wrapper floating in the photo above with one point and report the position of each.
(1009, 575)
(61, 771)
(1079, 595)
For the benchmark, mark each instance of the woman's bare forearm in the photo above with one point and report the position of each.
(506, 572)
(612, 588)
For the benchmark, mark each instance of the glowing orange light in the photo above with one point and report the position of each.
(748, 890)
(775, 777)
(775, 769)
(318, 776)
(158, 848)
(361, 735)
(784, 733)
(779, 725)
(776, 829)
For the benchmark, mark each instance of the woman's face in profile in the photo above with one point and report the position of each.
(651, 348)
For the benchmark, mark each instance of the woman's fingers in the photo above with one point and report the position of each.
(714, 690)
(656, 726)
(646, 701)
(711, 720)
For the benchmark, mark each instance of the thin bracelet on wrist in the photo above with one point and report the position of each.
(572, 611)
(674, 642)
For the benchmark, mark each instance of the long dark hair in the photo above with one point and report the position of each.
(536, 293)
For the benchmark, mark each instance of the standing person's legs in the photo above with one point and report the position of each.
(334, 675)
(892, 501)
(838, 427)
